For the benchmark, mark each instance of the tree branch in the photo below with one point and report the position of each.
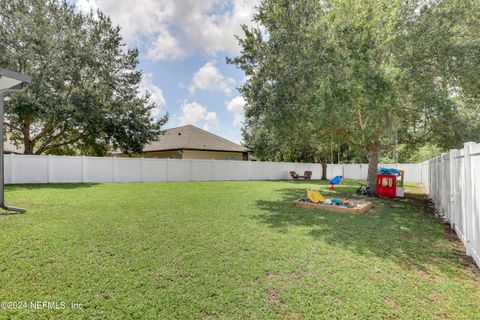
(45, 147)
(347, 135)
(11, 126)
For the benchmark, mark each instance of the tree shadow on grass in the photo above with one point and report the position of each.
(396, 230)
(43, 186)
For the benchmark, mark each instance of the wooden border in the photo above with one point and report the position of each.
(361, 210)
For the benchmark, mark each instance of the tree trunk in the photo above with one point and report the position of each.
(324, 169)
(27, 143)
(373, 155)
(28, 146)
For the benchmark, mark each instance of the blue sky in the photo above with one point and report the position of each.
(183, 45)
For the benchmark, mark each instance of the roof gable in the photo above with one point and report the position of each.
(191, 137)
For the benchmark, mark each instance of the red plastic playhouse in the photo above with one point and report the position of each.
(387, 179)
(387, 185)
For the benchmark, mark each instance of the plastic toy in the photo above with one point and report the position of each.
(335, 181)
(390, 182)
(315, 196)
(387, 185)
(337, 202)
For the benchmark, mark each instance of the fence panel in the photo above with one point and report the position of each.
(128, 170)
(334, 170)
(258, 170)
(453, 183)
(475, 241)
(178, 170)
(413, 172)
(29, 169)
(65, 169)
(230, 170)
(154, 170)
(99, 169)
(202, 170)
(353, 171)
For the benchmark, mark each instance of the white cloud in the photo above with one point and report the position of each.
(196, 114)
(206, 25)
(156, 94)
(192, 113)
(87, 5)
(165, 47)
(209, 78)
(212, 121)
(236, 107)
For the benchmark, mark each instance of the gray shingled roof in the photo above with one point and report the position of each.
(191, 137)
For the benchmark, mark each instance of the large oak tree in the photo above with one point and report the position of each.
(85, 95)
(375, 73)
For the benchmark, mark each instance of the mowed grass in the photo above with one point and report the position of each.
(228, 250)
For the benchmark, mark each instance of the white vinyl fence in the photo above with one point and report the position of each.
(453, 182)
(413, 171)
(56, 169)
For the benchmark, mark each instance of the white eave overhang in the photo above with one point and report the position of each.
(11, 80)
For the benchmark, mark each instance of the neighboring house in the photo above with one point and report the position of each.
(190, 142)
(10, 147)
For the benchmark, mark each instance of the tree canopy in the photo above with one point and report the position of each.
(85, 95)
(373, 73)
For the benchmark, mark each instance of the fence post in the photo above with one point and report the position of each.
(114, 178)
(451, 155)
(168, 169)
(84, 169)
(12, 171)
(469, 196)
(442, 185)
(49, 168)
(437, 178)
(190, 170)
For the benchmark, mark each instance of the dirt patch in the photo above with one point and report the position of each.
(273, 295)
(430, 276)
(270, 275)
(409, 234)
(299, 275)
(437, 298)
(391, 303)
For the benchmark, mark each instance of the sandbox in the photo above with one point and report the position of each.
(360, 207)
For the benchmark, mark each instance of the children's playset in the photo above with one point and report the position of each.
(316, 200)
(390, 183)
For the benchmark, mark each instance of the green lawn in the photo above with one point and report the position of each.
(230, 250)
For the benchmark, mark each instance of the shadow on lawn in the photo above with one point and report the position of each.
(42, 186)
(398, 230)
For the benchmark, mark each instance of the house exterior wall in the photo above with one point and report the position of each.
(189, 154)
(216, 155)
(172, 154)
